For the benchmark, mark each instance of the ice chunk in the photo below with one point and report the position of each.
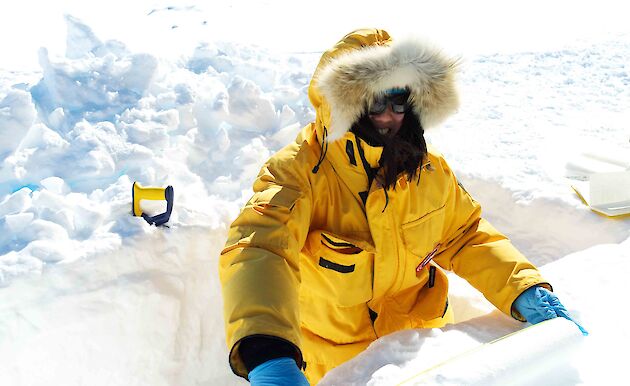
(55, 185)
(17, 222)
(17, 114)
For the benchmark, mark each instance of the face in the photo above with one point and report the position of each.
(388, 122)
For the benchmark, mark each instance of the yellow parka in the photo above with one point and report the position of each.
(324, 261)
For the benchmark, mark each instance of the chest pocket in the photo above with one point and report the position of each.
(423, 235)
(336, 269)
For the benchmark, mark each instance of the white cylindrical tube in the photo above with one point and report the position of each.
(539, 354)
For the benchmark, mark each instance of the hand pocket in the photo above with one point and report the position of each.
(338, 270)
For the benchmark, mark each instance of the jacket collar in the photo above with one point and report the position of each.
(352, 159)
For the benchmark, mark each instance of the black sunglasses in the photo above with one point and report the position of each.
(399, 103)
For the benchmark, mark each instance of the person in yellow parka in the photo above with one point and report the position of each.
(351, 227)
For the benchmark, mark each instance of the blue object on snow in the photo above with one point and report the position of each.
(277, 372)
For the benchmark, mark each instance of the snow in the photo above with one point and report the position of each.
(91, 295)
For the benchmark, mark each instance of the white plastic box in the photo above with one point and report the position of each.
(602, 181)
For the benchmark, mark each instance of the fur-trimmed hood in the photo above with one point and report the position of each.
(366, 63)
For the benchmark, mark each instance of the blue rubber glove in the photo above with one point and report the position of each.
(537, 304)
(277, 372)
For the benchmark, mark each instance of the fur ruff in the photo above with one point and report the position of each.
(351, 81)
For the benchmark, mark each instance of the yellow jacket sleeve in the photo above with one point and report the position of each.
(481, 255)
(259, 267)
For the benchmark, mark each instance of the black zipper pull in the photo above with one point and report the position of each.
(431, 276)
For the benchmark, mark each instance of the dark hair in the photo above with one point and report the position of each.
(403, 153)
